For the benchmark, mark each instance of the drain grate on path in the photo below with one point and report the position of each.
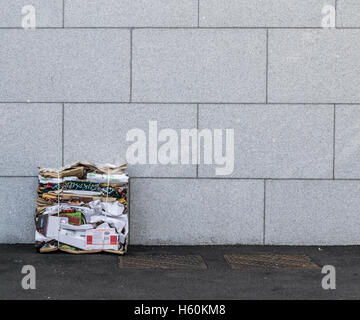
(269, 261)
(167, 262)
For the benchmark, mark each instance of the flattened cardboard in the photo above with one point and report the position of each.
(78, 170)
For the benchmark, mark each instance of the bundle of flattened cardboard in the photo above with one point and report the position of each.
(82, 208)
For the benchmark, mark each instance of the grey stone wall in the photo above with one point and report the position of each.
(94, 69)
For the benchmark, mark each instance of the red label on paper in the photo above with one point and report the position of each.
(113, 239)
(88, 239)
(68, 211)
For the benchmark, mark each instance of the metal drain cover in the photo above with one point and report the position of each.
(269, 261)
(168, 262)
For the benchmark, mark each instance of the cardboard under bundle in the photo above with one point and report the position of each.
(104, 230)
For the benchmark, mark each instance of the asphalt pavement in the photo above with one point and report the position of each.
(209, 276)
